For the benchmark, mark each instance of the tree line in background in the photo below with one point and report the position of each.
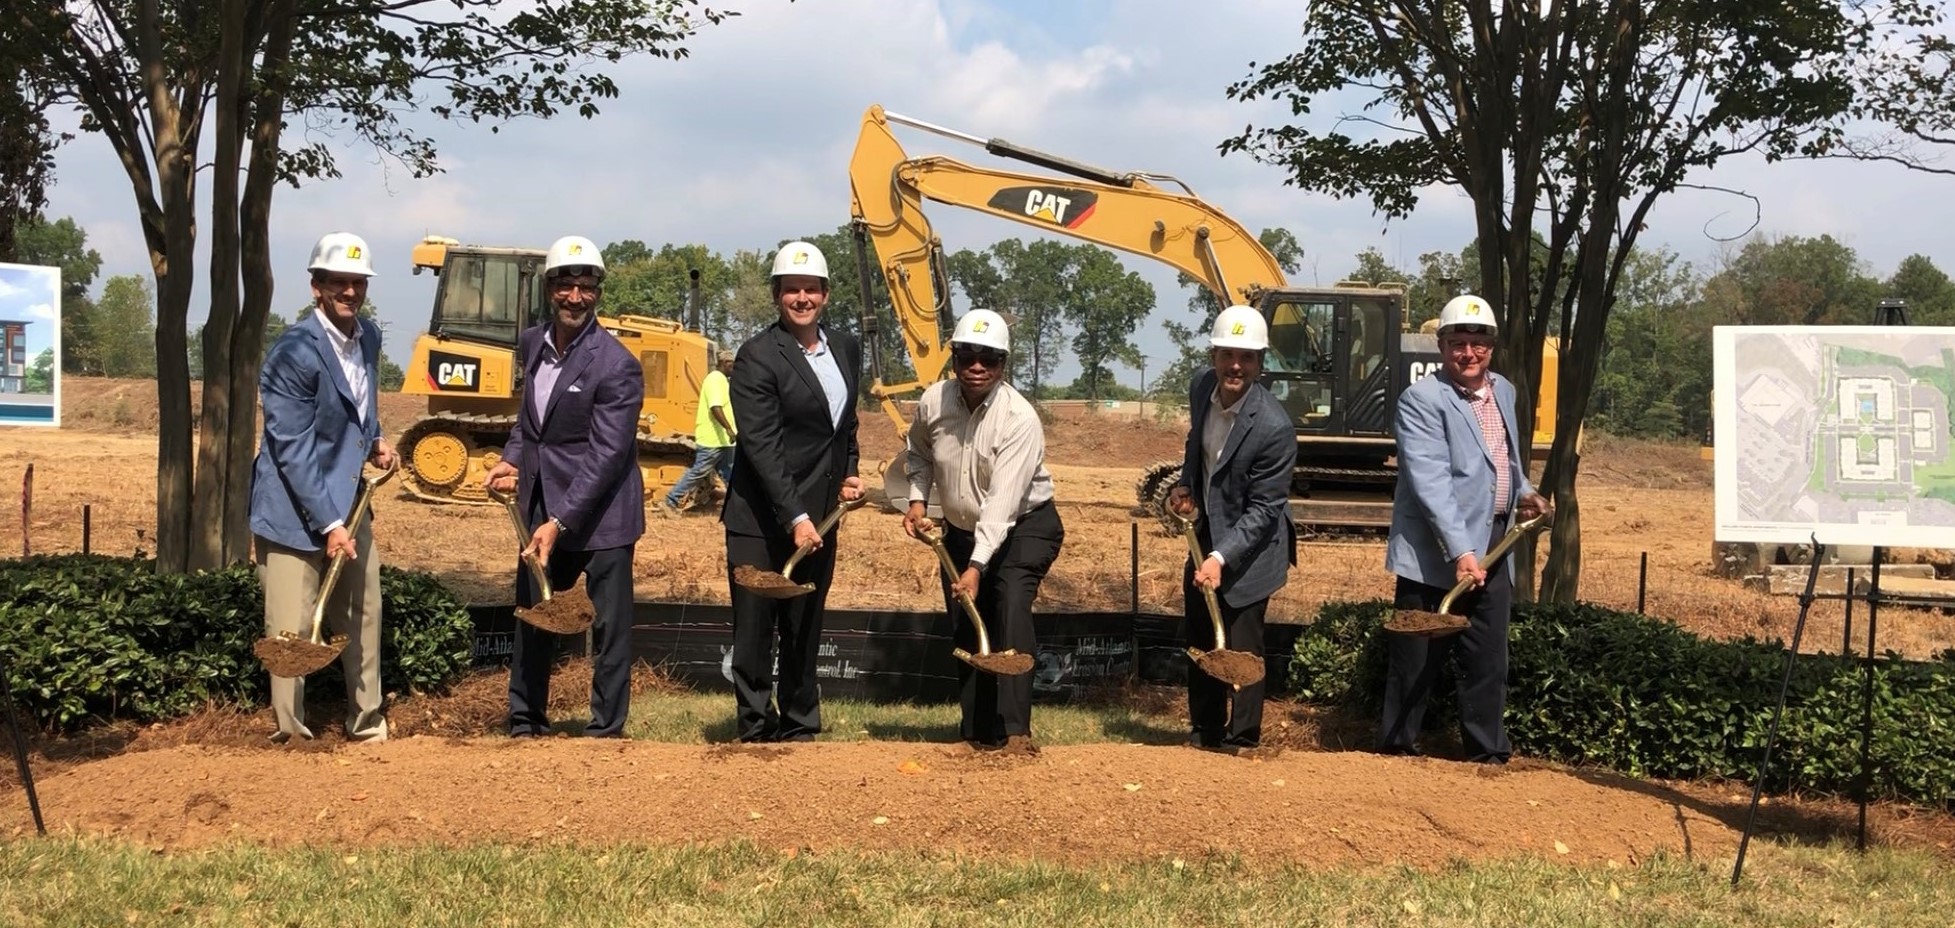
(1077, 302)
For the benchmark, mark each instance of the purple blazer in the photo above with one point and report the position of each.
(583, 455)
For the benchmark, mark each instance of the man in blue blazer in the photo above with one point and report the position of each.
(1240, 454)
(794, 395)
(1461, 478)
(572, 458)
(322, 423)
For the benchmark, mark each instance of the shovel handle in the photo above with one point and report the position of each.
(1499, 549)
(827, 522)
(522, 541)
(1208, 595)
(361, 504)
(935, 537)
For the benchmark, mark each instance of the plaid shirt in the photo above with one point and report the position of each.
(1495, 432)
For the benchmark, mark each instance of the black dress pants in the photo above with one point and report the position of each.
(1415, 663)
(607, 578)
(790, 711)
(997, 707)
(1220, 715)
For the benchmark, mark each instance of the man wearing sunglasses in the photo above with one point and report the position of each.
(1461, 479)
(979, 443)
(572, 458)
(1235, 473)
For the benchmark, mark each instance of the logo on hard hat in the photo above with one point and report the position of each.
(801, 257)
(1236, 329)
(981, 325)
(353, 251)
(575, 249)
(1472, 309)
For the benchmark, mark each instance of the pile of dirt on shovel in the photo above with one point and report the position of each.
(1237, 667)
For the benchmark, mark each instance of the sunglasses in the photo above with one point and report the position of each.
(966, 358)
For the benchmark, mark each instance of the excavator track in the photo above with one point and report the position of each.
(445, 457)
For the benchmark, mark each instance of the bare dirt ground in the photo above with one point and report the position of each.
(212, 778)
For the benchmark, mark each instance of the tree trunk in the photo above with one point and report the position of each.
(214, 475)
(248, 335)
(171, 230)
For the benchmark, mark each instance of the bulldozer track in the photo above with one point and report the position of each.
(472, 432)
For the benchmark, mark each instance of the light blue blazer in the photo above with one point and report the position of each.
(1443, 507)
(308, 468)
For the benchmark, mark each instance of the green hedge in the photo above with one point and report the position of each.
(89, 638)
(1588, 685)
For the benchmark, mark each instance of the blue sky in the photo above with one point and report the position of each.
(30, 294)
(746, 143)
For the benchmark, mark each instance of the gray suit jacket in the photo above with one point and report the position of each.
(1245, 497)
(1444, 503)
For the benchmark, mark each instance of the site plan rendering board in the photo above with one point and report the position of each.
(1835, 432)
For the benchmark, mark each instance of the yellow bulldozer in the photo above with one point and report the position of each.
(466, 365)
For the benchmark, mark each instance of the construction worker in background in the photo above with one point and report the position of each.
(318, 388)
(794, 396)
(1461, 477)
(713, 433)
(572, 457)
(979, 443)
(1236, 468)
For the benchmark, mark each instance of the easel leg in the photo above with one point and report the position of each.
(20, 746)
(1867, 700)
(1772, 733)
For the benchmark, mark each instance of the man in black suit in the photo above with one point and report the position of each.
(794, 395)
(1241, 450)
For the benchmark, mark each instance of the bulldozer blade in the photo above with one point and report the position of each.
(569, 612)
(288, 655)
(769, 583)
(1003, 663)
(1236, 668)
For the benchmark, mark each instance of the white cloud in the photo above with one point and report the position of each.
(41, 311)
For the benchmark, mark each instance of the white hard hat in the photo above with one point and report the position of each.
(341, 253)
(983, 328)
(800, 258)
(1467, 309)
(1239, 327)
(573, 251)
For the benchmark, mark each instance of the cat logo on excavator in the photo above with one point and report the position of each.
(1065, 207)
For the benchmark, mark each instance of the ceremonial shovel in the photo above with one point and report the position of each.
(778, 585)
(1442, 623)
(567, 613)
(288, 655)
(1006, 663)
(1236, 668)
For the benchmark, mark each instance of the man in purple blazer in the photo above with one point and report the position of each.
(572, 457)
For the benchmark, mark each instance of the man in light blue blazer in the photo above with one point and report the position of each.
(322, 423)
(1235, 476)
(1461, 479)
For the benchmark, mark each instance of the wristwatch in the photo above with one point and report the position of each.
(561, 528)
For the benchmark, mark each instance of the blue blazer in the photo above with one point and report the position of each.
(308, 467)
(1443, 507)
(1244, 499)
(583, 454)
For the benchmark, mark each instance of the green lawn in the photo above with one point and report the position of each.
(63, 882)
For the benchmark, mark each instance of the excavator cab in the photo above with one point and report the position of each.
(1331, 357)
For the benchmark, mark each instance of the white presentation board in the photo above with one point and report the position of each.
(1839, 432)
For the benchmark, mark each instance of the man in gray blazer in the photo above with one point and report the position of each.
(1461, 479)
(572, 457)
(322, 422)
(1241, 451)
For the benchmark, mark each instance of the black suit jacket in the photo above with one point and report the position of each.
(791, 459)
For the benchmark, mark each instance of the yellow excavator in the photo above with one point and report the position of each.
(1338, 355)
(466, 365)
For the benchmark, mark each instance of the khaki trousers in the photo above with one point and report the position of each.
(291, 582)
